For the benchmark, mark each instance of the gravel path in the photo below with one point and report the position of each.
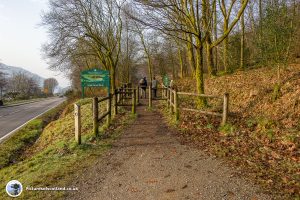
(148, 163)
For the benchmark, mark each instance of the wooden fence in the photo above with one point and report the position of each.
(119, 98)
(172, 103)
(160, 90)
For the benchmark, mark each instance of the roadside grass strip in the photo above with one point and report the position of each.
(54, 157)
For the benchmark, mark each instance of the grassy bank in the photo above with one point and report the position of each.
(55, 157)
(12, 148)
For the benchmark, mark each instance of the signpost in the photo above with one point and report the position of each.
(95, 78)
(166, 81)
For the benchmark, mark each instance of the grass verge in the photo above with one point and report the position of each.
(10, 150)
(55, 157)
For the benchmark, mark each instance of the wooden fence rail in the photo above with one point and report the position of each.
(118, 99)
(172, 103)
(151, 97)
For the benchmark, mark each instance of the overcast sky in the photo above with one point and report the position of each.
(21, 37)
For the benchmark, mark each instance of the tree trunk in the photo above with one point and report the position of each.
(215, 27)
(147, 54)
(199, 73)
(173, 66)
(260, 19)
(206, 10)
(242, 61)
(260, 26)
(190, 52)
(112, 79)
(181, 62)
(225, 47)
(210, 59)
(150, 68)
(127, 55)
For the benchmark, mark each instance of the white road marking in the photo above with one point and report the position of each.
(2, 139)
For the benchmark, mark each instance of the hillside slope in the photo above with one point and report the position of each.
(251, 94)
(10, 70)
(262, 136)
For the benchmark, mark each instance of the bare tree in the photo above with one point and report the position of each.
(192, 20)
(227, 26)
(95, 23)
(20, 85)
(49, 85)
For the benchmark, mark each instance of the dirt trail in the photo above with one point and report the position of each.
(148, 163)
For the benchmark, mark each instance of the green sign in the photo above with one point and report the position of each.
(94, 78)
(166, 81)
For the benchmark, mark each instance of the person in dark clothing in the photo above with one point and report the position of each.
(143, 85)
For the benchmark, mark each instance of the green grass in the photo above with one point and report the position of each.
(11, 148)
(227, 129)
(55, 157)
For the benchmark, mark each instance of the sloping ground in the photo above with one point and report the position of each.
(251, 93)
(55, 156)
(263, 136)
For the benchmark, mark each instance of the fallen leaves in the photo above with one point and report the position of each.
(266, 140)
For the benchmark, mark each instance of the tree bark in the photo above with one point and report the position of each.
(147, 54)
(190, 52)
(181, 63)
(210, 59)
(215, 24)
(208, 29)
(225, 47)
(242, 61)
(199, 72)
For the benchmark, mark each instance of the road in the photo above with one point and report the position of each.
(13, 117)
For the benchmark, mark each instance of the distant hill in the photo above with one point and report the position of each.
(10, 70)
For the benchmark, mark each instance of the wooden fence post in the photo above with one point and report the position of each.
(118, 95)
(165, 92)
(171, 101)
(133, 101)
(225, 109)
(168, 97)
(176, 105)
(95, 116)
(77, 116)
(122, 95)
(138, 95)
(150, 96)
(116, 101)
(109, 109)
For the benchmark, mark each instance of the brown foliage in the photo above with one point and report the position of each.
(262, 136)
